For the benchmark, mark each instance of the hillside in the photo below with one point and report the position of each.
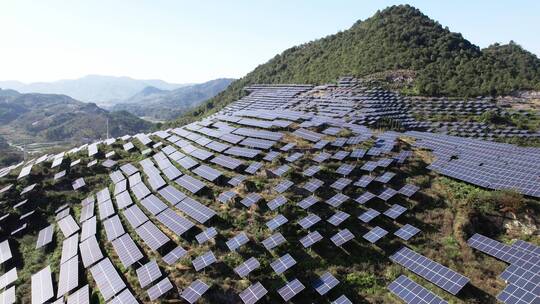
(42, 118)
(103, 90)
(397, 38)
(163, 105)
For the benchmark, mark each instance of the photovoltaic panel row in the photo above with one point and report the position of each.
(195, 210)
(127, 250)
(151, 235)
(107, 279)
(413, 293)
(253, 293)
(434, 272)
(246, 267)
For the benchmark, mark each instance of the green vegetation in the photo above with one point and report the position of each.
(399, 38)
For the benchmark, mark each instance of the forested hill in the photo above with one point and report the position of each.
(397, 38)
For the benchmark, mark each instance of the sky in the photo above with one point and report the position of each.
(195, 41)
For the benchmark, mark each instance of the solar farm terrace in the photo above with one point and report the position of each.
(290, 194)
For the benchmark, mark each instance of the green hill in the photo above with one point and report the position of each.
(54, 120)
(396, 38)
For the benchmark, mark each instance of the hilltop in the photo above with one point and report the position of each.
(169, 104)
(398, 38)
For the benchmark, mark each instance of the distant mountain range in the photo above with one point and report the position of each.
(102, 90)
(44, 118)
(159, 104)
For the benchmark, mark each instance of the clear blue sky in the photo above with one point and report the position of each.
(181, 41)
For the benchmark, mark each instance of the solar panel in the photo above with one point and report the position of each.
(5, 251)
(270, 156)
(90, 251)
(276, 222)
(325, 283)
(195, 210)
(125, 297)
(172, 195)
(140, 191)
(310, 239)
(283, 186)
(42, 287)
(206, 235)
(307, 135)
(123, 200)
(277, 202)
(385, 177)
(8, 296)
(237, 241)
(69, 276)
(251, 199)
(242, 152)
(406, 232)
(291, 289)
(345, 169)
(514, 294)
(337, 218)
(226, 196)
(151, 235)
(204, 260)
(387, 194)
(127, 250)
(81, 296)
(253, 167)
(45, 236)
(207, 173)
(227, 162)
(159, 289)
(365, 197)
(526, 247)
(309, 220)
(375, 234)
(287, 147)
(320, 144)
(107, 279)
(194, 292)
(173, 256)
(69, 248)
(236, 180)
(321, 157)
(7, 278)
(68, 226)
(342, 237)
(341, 183)
(408, 190)
(175, 222)
(413, 293)
(308, 202)
(364, 181)
(434, 272)
(187, 162)
(499, 250)
(273, 241)
(105, 210)
(87, 212)
(395, 211)
(191, 184)
(253, 293)
(246, 267)
(312, 171)
(113, 228)
(281, 170)
(283, 263)
(135, 216)
(367, 216)
(336, 200)
(294, 157)
(153, 204)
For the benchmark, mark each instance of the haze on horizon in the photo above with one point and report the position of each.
(189, 42)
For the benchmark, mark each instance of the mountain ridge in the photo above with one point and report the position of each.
(396, 38)
(169, 104)
(101, 89)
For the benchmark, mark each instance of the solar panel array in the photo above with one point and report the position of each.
(177, 176)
